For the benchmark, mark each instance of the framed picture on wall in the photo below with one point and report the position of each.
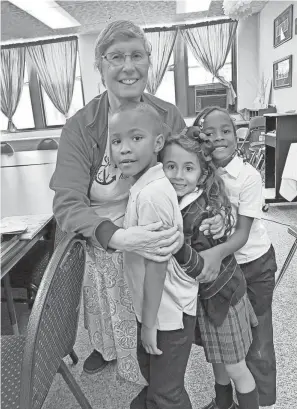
(283, 27)
(282, 72)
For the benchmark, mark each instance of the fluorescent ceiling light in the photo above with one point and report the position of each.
(192, 6)
(48, 12)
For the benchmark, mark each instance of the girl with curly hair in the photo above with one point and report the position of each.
(224, 312)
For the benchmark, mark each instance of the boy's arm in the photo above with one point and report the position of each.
(152, 208)
(155, 274)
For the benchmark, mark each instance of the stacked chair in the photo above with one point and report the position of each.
(30, 363)
(249, 143)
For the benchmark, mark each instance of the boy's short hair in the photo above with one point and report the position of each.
(145, 109)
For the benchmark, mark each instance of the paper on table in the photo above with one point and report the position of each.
(9, 225)
(33, 222)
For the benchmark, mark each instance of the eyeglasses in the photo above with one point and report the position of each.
(118, 59)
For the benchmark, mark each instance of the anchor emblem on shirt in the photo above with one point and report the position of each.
(103, 176)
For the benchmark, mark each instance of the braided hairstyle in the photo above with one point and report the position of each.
(193, 140)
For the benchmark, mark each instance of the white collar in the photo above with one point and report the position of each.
(233, 168)
(189, 198)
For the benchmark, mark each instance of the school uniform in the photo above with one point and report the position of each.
(224, 313)
(152, 198)
(257, 260)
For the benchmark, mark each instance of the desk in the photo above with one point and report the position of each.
(25, 158)
(281, 131)
(238, 122)
(25, 190)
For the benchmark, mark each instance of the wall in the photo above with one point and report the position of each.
(284, 98)
(247, 61)
(256, 55)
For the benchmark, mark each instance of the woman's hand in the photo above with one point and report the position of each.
(214, 226)
(149, 340)
(212, 264)
(148, 241)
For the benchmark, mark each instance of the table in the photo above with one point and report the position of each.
(25, 190)
(238, 122)
(25, 158)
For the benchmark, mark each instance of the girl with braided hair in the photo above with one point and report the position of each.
(224, 312)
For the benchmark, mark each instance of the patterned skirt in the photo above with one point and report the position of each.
(230, 342)
(108, 312)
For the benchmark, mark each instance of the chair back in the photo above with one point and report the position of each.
(47, 144)
(6, 148)
(256, 126)
(241, 133)
(53, 322)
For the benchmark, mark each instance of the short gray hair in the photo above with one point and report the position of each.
(116, 31)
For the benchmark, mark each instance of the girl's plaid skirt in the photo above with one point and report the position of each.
(230, 342)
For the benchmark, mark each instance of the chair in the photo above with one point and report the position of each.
(48, 144)
(29, 271)
(29, 364)
(241, 133)
(251, 147)
(257, 126)
(6, 149)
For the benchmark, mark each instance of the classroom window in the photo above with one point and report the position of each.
(23, 117)
(198, 75)
(53, 116)
(166, 89)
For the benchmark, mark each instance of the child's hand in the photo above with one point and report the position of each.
(212, 264)
(214, 226)
(149, 340)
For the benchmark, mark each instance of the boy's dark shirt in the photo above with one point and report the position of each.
(230, 286)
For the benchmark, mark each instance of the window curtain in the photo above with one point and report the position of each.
(162, 43)
(12, 81)
(55, 64)
(210, 45)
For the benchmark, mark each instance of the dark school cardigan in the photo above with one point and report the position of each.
(230, 286)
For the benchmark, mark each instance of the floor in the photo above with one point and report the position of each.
(107, 391)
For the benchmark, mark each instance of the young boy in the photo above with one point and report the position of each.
(253, 251)
(164, 297)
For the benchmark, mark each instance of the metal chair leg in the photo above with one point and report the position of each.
(10, 305)
(286, 264)
(74, 357)
(73, 386)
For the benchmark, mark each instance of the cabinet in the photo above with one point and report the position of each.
(281, 131)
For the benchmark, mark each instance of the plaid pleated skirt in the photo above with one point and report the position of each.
(230, 342)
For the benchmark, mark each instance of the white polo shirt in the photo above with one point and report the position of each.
(152, 199)
(244, 188)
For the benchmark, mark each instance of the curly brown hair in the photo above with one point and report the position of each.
(213, 186)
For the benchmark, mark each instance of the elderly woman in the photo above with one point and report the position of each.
(91, 196)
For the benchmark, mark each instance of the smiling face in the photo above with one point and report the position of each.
(129, 80)
(135, 142)
(182, 169)
(218, 127)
